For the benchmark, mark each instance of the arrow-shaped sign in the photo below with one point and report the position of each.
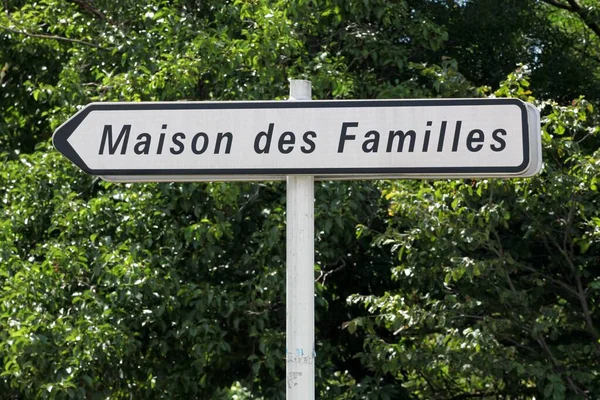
(328, 139)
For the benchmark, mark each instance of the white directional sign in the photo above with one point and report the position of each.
(326, 139)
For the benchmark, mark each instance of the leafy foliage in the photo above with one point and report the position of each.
(112, 290)
(434, 290)
(496, 282)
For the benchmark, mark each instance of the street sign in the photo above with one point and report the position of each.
(192, 141)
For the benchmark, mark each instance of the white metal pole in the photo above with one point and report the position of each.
(300, 281)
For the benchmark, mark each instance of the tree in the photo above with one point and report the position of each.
(158, 290)
(496, 291)
(177, 290)
(556, 39)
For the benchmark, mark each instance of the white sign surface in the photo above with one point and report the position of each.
(399, 138)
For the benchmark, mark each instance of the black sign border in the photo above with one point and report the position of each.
(61, 135)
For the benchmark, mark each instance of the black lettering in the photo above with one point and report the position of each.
(374, 142)
(287, 139)
(310, 143)
(401, 139)
(426, 139)
(161, 140)
(456, 136)
(143, 144)
(113, 147)
(442, 135)
(475, 136)
(501, 142)
(267, 135)
(161, 143)
(344, 136)
(195, 139)
(220, 137)
(177, 142)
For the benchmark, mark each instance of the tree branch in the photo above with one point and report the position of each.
(50, 37)
(500, 253)
(558, 4)
(429, 383)
(561, 284)
(325, 274)
(557, 282)
(585, 17)
(89, 8)
(586, 312)
(558, 365)
(3, 72)
(517, 344)
(574, 7)
(567, 242)
(580, 292)
(585, 53)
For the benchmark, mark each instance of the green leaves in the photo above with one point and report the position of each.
(175, 289)
(491, 275)
(433, 289)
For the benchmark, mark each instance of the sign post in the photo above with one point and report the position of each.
(300, 281)
(300, 141)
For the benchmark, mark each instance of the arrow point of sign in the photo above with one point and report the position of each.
(60, 138)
